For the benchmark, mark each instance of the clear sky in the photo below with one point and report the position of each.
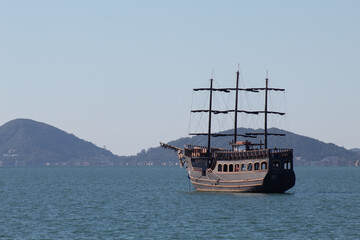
(121, 73)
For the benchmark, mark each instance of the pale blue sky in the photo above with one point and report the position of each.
(121, 73)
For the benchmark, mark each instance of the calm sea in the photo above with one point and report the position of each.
(159, 203)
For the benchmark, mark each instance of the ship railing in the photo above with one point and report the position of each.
(251, 154)
(281, 152)
(194, 151)
(202, 147)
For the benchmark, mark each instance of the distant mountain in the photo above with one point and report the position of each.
(307, 151)
(357, 150)
(25, 142)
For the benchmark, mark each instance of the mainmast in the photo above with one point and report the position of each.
(210, 108)
(236, 105)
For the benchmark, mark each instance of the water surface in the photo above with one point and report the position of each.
(159, 203)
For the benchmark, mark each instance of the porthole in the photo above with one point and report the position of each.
(219, 168)
(257, 166)
(231, 167)
(225, 168)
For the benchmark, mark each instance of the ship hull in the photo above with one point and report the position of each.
(272, 183)
(263, 172)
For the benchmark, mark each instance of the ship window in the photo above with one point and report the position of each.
(287, 165)
(231, 167)
(263, 166)
(256, 166)
(276, 164)
(237, 167)
(219, 168)
(225, 168)
(243, 167)
(249, 167)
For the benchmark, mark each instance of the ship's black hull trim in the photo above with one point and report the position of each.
(278, 182)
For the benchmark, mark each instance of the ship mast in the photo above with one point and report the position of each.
(236, 111)
(265, 112)
(210, 108)
(236, 105)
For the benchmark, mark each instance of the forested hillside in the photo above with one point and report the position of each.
(25, 142)
(307, 151)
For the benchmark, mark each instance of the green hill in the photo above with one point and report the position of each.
(307, 151)
(25, 142)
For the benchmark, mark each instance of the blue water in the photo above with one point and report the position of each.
(155, 203)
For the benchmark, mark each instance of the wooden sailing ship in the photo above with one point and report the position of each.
(246, 167)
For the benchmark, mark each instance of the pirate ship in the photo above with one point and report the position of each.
(245, 166)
